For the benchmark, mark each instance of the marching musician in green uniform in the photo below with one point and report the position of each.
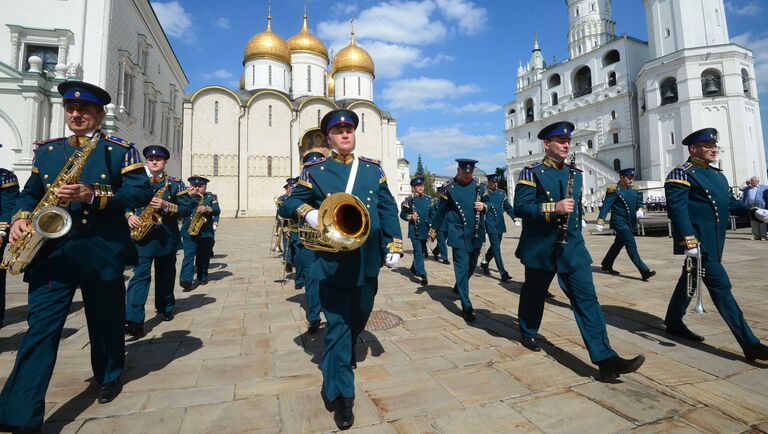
(415, 210)
(348, 280)
(552, 244)
(92, 256)
(197, 248)
(440, 251)
(9, 195)
(625, 204)
(495, 225)
(699, 202)
(462, 204)
(159, 245)
(288, 239)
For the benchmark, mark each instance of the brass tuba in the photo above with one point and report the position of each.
(343, 224)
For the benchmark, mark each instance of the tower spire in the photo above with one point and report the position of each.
(269, 15)
(352, 23)
(536, 41)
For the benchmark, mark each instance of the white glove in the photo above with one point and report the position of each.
(215, 226)
(692, 252)
(762, 215)
(311, 218)
(640, 214)
(517, 223)
(392, 259)
(598, 228)
(583, 223)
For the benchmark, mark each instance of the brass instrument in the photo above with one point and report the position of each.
(694, 274)
(49, 219)
(198, 220)
(343, 225)
(149, 217)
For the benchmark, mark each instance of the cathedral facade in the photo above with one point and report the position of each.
(248, 141)
(633, 101)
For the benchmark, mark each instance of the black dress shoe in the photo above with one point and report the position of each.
(611, 369)
(506, 277)
(484, 266)
(168, 316)
(424, 281)
(187, 285)
(610, 270)
(203, 281)
(298, 286)
(343, 415)
(759, 351)
(288, 268)
(109, 391)
(685, 333)
(435, 255)
(531, 344)
(134, 329)
(314, 326)
(19, 429)
(468, 315)
(446, 262)
(647, 274)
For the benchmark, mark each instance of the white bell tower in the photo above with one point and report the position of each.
(678, 24)
(589, 25)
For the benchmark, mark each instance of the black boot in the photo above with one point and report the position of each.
(424, 281)
(468, 315)
(343, 415)
(684, 332)
(611, 369)
(109, 391)
(531, 344)
(610, 270)
(187, 285)
(133, 329)
(314, 326)
(647, 274)
(759, 351)
(484, 266)
(506, 277)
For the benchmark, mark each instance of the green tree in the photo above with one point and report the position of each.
(502, 177)
(419, 168)
(429, 183)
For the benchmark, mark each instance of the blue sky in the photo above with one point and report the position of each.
(444, 68)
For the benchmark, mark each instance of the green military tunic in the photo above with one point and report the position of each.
(623, 204)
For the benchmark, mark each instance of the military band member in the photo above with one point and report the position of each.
(440, 251)
(9, 195)
(159, 245)
(625, 204)
(197, 248)
(348, 280)
(92, 256)
(462, 204)
(540, 200)
(698, 204)
(495, 225)
(415, 210)
(288, 239)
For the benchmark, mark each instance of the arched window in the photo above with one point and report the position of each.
(554, 98)
(745, 82)
(318, 117)
(511, 112)
(270, 75)
(270, 115)
(589, 144)
(309, 78)
(215, 112)
(612, 79)
(528, 110)
(711, 83)
(269, 166)
(215, 165)
(668, 91)
(582, 82)
(359, 88)
(611, 57)
(642, 101)
(617, 164)
(613, 115)
(554, 80)
(253, 75)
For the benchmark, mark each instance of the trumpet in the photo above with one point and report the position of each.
(694, 274)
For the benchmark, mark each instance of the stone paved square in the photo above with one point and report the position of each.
(237, 357)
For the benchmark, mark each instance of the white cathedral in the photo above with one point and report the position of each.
(633, 101)
(248, 142)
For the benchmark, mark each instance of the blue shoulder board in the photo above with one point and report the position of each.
(313, 162)
(369, 160)
(114, 139)
(534, 165)
(685, 166)
(42, 142)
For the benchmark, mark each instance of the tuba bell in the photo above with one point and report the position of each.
(343, 225)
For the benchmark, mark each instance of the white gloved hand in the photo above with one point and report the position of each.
(392, 259)
(215, 226)
(311, 218)
(598, 228)
(640, 214)
(762, 215)
(583, 223)
(517, 223)
(692, 252)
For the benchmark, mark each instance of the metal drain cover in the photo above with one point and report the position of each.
(382, 320)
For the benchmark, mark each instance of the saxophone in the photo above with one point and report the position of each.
(149, 217)
(197, 220)
(49, 219)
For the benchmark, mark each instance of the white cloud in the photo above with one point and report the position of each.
(478, 107)
(447, 142)
(424, 93)
(223, 23)
(471, 18)
(343, 8)
(432, 61)
(751, 8)
(759, 46)
(391, 60)
(176, 21)
(221, 74)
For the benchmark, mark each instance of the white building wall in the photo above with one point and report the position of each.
(308, 74)
(677, 24)
(355, 85)
(265, 73)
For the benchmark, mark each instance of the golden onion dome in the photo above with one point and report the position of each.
(331, 87)
(267, 44)
(306, 41)
(351, 58)
(242, 80)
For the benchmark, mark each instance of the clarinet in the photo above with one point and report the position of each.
(476, 233)
(415, 221)
(562, 233)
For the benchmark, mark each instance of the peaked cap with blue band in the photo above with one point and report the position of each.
(629, 171)
(417, 181)
(338, 117)
(197, 179)
(466, 164)
(556, 129)
(80, 91)
(702, 135)
(156, 151)
(493, 177)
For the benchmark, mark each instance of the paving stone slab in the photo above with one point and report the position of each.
(415, 396)
(733, 400)
(636, 402)
(491, 417)
(149, 422)
(565, 413)
(481, 383)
